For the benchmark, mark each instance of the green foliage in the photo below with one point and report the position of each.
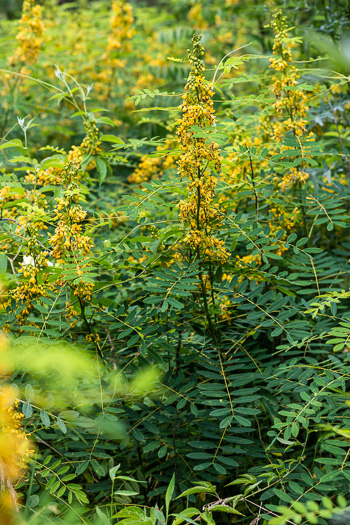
(161, 384)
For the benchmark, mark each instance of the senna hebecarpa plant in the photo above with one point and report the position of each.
(174, 275)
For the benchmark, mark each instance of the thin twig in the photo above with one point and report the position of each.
(266, 510)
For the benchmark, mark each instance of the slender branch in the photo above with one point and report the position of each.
(253, 184)
(266, 510)
(90, 332)
(177, 355)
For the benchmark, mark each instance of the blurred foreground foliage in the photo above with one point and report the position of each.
(174, 262)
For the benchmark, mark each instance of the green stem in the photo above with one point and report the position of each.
(206, 309)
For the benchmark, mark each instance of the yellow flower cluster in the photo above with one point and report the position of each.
(29, 289)
(9, 194)
(93, 338)
(90, 146)
(70, 313)
(32, 286)
(54, 175)
(119, 44)
(122, 31)
(291, 100)
(195, 16)
(201, 156)
(148, 168)
(27, 229)
(284, 220)
(151, 167)
(46, 177)
(68, 240)
(242, 170)
(294, 176)
(247, 260)
(30, 35)
(225, 304)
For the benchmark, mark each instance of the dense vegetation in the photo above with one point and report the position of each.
(174, 262)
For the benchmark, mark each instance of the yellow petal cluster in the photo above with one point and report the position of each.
(152, 167)
(291, 100)
(30, 35)
(199, 162)
(119, 44)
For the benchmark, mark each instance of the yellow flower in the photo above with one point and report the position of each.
(15, 449)
(200, 159)
(30, 35)
(291, 101)
(119, 44)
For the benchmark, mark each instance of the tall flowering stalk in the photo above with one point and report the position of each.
(119, 43)
(30, 39)
(291, 101)
(30, 35)
(200, 159)
(199, 164)
(122, 31)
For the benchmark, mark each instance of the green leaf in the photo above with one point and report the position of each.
(113, 471)
(15, 143)
(277, 331)
(186, 516)
(27, 410)
(243, 421)
(127, 478)
(125, 493)
(159, 515)
(296, 488)
(44, 416)
(29, 393)
(138, 435)
(82, 467)
(103, 517)
(283, 496)
(112, 138)
(197, 490)
(295, 429)
(97, 467)
(102, 170)
(226, 508)
(169, 493)
(106, 120)
(3, 263)
(176, 304)
(162, 451)
(62, 425)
